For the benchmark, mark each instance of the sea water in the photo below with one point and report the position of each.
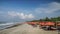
(5, 25)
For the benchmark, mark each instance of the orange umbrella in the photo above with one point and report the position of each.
(50, 24)
(58, 24)
(32, 23)
(42, 23)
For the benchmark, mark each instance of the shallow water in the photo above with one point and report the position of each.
(5, 25)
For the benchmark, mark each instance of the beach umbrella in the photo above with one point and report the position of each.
(50, 23)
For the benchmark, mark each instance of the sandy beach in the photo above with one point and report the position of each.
(26, 29)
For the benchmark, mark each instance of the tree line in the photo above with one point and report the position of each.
(54, 19)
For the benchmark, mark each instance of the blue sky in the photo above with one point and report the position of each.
(23, 10)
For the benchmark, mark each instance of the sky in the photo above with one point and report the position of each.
(26, 10)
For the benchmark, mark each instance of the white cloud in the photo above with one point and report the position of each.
(25, 16)
(12, 14)
(20, 15)
(51, 7)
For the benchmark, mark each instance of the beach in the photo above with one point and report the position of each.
(26, 29)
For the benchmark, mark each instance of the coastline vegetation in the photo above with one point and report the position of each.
(54, 19)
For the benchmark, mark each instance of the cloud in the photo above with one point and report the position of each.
(34, 13)
(12, 14)
(51, 8)
(20, 15)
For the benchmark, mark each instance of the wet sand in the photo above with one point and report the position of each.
(26, 29)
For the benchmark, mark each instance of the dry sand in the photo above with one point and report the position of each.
(26, 29)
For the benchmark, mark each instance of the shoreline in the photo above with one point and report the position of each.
(26, 29)
(15, 25)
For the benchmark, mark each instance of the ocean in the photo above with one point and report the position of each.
(5, 25)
